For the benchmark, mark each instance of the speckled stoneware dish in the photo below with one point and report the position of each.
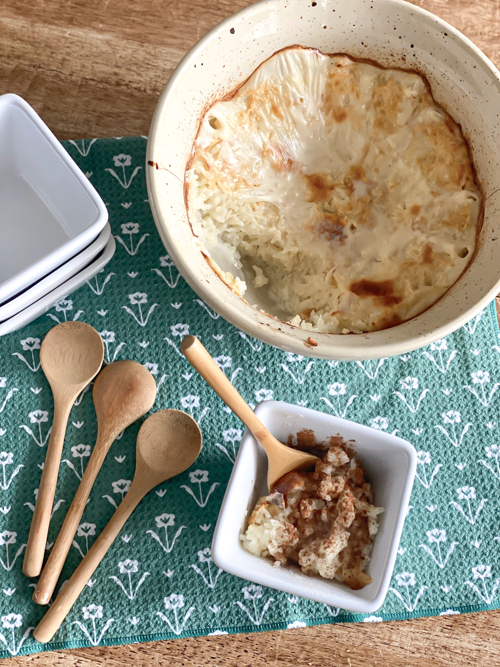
(391, 32)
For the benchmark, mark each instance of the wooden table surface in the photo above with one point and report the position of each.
(95, 68)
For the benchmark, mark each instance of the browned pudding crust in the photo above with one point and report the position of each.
(340, 186)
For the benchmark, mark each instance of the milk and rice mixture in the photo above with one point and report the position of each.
(343, 187)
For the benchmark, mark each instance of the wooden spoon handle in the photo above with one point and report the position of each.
(56, 614)
(35, 548)
(55, 562)
(201, 361)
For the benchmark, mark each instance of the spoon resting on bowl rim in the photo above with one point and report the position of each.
(281, 459)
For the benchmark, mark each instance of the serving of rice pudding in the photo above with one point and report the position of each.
(323, 521)
(339, 187)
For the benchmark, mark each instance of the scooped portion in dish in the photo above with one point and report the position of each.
(337, 186)
(323, 521)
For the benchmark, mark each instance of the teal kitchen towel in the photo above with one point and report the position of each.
(158, 580)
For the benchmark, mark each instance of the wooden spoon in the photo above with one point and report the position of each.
(70, 356)
(167, 444)
(123, 392)
(281, 459)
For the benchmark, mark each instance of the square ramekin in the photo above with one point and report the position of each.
(45, 303)
(390, 465)
(50, 210)
(27, 297)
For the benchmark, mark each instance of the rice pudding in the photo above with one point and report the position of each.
(323, 521)
(339, 187)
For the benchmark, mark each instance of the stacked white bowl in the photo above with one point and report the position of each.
(54, 230)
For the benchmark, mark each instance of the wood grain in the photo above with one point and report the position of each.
(124, 391)
(168, 443)
(71, 355)
(95, 68)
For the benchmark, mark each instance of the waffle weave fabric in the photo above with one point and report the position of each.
(158, 580)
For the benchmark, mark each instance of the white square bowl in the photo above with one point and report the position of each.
(60, 275)
(49, 211)
(66, 288)
(390, 464)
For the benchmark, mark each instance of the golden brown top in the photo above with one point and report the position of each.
(337, 174)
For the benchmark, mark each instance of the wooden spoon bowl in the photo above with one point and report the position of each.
(71, 353)
(173, 443)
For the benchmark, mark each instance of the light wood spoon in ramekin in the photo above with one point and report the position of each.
(167, 444)
(70, 356)
(281, 459)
